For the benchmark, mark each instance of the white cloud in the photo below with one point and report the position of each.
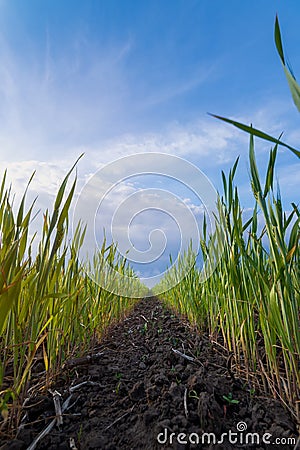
(289, 181)
(59, 100)
(208, 141)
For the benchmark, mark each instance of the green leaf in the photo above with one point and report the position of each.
(256, 186)
(256, 132)
(293, 85)
(278, 41)
(270, 171)
(21, 208)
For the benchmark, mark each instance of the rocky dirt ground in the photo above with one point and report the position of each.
(135, 392)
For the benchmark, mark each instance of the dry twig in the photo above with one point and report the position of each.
(49, 427)
(119, 418)
(183, 355)
(185, 403)
(58, 412)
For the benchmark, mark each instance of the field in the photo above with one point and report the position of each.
(245, 315)
(138, 385)
(219, 349)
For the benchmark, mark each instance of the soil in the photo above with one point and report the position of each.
(133, 388)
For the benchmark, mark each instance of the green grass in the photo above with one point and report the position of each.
(49, 308)
(252, 298)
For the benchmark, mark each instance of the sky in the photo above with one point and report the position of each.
(116, 78)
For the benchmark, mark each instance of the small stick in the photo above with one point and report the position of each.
(49, 427)
(57, 406)
(42, 434)
(196, 360)
(185, 403)
(189, 358)
(119, 418)
(84, 383)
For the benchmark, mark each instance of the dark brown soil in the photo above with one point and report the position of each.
(138, 387)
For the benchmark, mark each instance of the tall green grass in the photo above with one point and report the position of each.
(50, 309)
(252, 299)
(253, 296)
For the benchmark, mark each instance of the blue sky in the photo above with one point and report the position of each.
(112, 78)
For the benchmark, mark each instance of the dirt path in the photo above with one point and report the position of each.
(137, 387)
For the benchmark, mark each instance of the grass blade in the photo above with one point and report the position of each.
(293, 85)
(257, 133)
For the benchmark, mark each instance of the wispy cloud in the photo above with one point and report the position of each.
(171, 90)
(52, 101)
(206, 141)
